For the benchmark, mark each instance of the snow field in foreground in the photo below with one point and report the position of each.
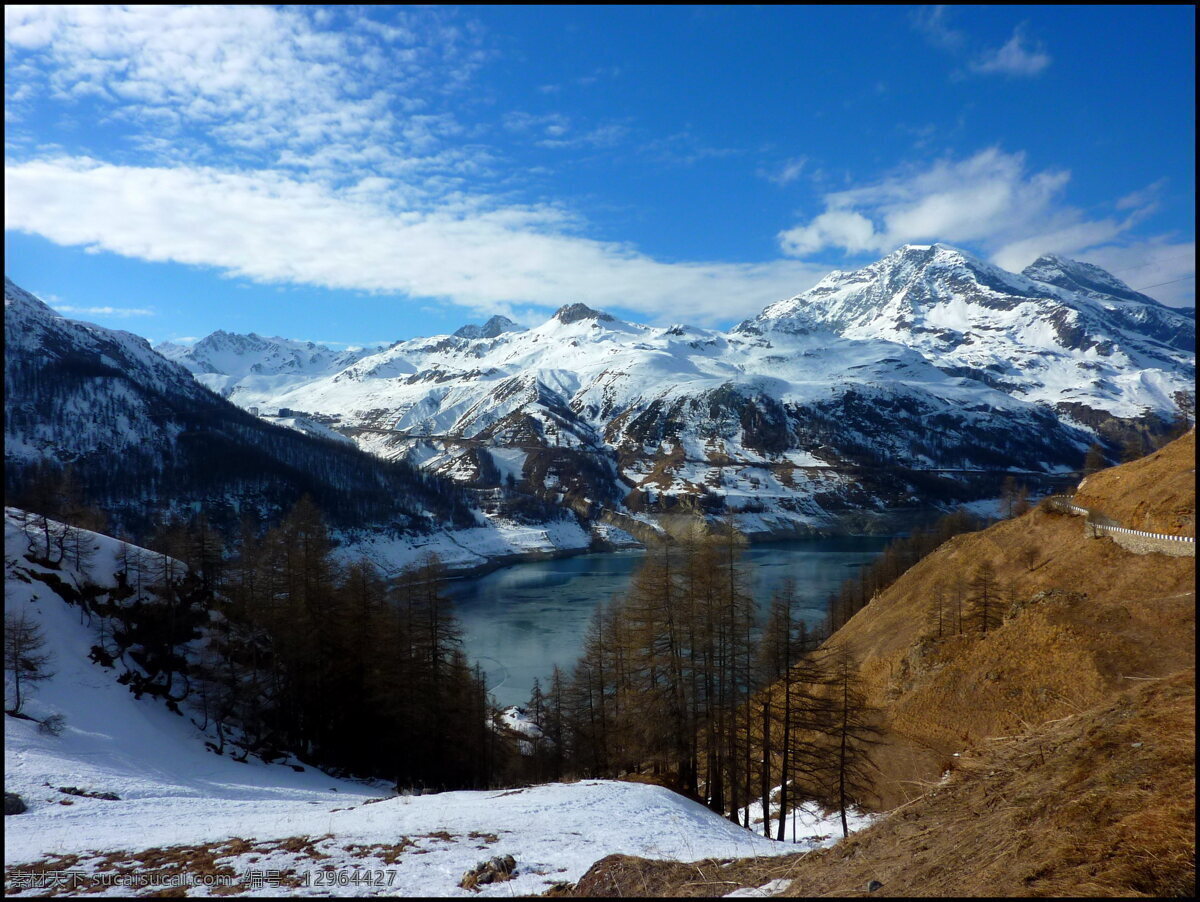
(173, 792)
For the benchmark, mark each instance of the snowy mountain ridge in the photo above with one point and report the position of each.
(1061, 332)
(928, 360)
(223, 361)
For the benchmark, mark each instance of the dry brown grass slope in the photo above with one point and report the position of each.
(1090, 805)
(1073, 720)
(1091, 618)
(1096, 804)
(1156, 493)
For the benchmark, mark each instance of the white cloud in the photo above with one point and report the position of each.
(1014, 58)
(270, 227)
(256, 79)
(846, 229)
(104, 311)
(985, 198)
(993, 204)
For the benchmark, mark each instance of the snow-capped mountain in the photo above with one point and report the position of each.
(1064, 334)
(920, 379)
(876, 388)
(497, 325)
(231, 364)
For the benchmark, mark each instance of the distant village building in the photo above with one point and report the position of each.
(285, 411)
(254, 410)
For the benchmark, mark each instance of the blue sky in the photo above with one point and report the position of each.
(359, 175)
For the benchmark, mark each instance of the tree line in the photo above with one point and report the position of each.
(148, 451)
(330, 662)
(276, 648)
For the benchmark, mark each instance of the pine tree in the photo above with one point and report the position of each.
(593, 684)
(25, 657)
(1021, 504)
(960, 601)
(938, 613)
(1008, 496)
(557, 727)
(854, 734)
(780, 648)
(985, 597)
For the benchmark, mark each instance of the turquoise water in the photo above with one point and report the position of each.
(518, 622)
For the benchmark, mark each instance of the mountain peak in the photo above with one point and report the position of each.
(936, 251)
(571, 313)
(497, 325)
(1083, 278)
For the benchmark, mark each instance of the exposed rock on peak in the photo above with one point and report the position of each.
(572, 313)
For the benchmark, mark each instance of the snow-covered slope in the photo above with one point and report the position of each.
(180, 809)
(1062, 333)
(233, 365)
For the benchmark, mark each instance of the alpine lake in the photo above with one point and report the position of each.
(519, 621)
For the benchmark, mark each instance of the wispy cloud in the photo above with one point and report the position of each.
(685, 149)
(273, 228)
(934, 23)
(258, 81)
(103, 311)
(1014, 58)
(556, 130)
(787, 172)
(1144, 198)
(548, 123)
(608, 135)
